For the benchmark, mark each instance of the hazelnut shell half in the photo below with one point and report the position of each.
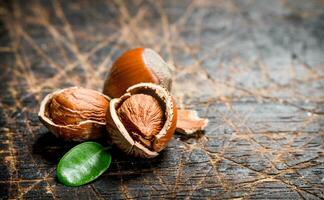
(124, 140)
(136, 66)
(90, 126)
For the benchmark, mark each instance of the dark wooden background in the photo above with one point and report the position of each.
(254, 68)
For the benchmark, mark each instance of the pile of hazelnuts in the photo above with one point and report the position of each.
(135, 110)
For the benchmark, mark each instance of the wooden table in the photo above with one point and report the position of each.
(254, 68)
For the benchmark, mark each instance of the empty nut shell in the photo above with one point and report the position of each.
(136, 66)
(74, 114)
(143, 120)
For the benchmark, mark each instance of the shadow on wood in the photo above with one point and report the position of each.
(51, 148)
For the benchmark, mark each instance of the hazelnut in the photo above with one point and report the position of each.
(136, 66)
(142, 121)
(74, 114)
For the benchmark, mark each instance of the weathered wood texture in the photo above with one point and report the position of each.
(254, 68)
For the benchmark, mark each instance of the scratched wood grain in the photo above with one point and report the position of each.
(254, 68)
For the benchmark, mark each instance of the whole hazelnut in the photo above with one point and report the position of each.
(136, 66)
(142, 121)
(74, 114)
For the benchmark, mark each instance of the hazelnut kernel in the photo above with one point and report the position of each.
(143, 117)
(74, 114)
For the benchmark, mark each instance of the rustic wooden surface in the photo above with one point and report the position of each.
(254, 68)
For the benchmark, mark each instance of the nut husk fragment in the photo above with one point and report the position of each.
(142, 121)
(74, 114)
(188, 122)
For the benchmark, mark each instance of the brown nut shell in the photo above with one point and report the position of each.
(136, 66)
(75, 114)
(125, 139)
(189, 122)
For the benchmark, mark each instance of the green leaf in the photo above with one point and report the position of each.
(83, 164)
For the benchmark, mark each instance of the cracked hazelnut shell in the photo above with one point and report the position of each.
(189, 122)
(136, 66)
(143, 120)
(75, 114)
